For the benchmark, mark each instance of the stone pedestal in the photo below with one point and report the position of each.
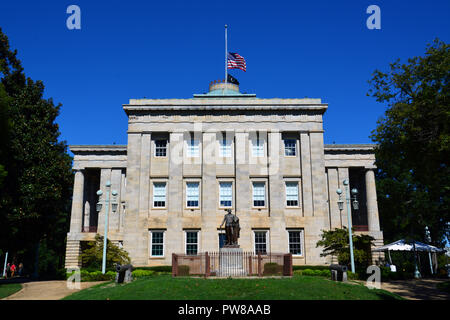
(231, 262)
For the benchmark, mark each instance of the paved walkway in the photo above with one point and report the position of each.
(417, 289)
(47, 290)
(421, 289)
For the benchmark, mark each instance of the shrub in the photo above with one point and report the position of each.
(272, 268)
(183, 270)
(303, 267)
(142, 273)
(94, 276)
(92, 254)
(307, 272)
(163, 269)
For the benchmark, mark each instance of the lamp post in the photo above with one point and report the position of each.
(4, 266)
(428, 239)
(99, 208)
(349, 218)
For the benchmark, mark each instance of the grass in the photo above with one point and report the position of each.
(9, 289)
(167, 288)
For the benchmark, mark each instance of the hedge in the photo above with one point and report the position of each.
(142, 273)
(303, 267)
(94, 276)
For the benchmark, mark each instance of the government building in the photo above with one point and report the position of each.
(188, 160)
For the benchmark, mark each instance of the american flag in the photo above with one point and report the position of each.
(235, 61)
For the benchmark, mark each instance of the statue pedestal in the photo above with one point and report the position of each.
(231, 262)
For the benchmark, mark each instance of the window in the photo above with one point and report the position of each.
(290, 147)
(258, 146)
(191, 242)
(292, 194)
(225, 194)
(157, 245)
(192, 148)
(260, 242)
(160, 148)
(192, 194)
(259, 194)
(295, 242)
(159, 194)
(225, 147)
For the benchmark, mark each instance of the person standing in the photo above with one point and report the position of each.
(8, 271)
(20, 270)
(13, 270)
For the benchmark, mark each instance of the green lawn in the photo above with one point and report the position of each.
(9, 289)
(167, 288)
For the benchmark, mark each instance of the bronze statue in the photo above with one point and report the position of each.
(232, 228)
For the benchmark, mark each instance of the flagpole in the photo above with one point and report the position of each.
(226, 59)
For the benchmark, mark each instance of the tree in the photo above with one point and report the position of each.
(35, 194)
(413, 137)
(92, 255)
(336, 244)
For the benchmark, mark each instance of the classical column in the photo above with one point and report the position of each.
(278, 235)
(76, 217)
(372, 207)
(305, 154)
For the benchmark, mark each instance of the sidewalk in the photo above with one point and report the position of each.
(47, 290)
(417, 289)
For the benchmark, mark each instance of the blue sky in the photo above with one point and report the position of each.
(173, 49)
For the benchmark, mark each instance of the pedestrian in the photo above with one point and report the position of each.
(20, 270)
(8, 271)
(13, 270)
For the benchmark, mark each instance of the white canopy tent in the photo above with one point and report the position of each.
(402, 245)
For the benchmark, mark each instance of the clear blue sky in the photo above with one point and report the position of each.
(173, 49)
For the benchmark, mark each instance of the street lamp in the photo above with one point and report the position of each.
(99, 208)
(428, 239)
(349, 218)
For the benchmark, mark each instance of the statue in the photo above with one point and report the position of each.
(232, 228)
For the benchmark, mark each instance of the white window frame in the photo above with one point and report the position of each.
(253, 194)
(198, 196)
(165, 148)
(193, 147)
(286, 194)
(186, 243)
(220, 194)
(258, 146)
(225, 147)
(163, 244)
(295, 147)
(302, 241)
(266, 232)
(165, 195)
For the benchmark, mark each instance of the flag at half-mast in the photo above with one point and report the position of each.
(235, 61)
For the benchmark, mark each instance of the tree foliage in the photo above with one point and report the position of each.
(36, 190)
(92, 255)
(413, 137)
(336, 244)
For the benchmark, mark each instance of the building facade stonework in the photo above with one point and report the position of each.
(188, 160)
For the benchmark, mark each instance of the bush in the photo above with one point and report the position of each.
(162, 269)
(303, 267)
(272, 268)
(183, 270)
(87, 276)
(92, 254)
(142, 273)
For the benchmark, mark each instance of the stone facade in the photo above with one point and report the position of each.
(222, 129)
